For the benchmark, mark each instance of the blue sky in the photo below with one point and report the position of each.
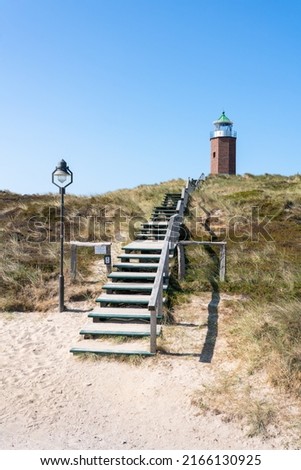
(126, 90)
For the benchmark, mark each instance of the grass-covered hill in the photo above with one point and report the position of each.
(258, 216)
(29, 240)
(260, 219)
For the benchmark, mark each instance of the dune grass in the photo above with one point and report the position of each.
(262, 228)
(258, 216)
(29, 240)
(260, 219)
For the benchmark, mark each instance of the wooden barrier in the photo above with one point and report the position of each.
(102, 248)
(181, 257)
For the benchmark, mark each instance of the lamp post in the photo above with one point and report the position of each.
(62, 177)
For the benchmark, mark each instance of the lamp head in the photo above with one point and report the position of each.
(62, 175)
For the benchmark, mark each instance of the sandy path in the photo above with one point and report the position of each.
(50, 399)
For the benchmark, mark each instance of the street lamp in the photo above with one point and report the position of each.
(62, 177)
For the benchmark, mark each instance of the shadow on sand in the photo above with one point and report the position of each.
(212, 331)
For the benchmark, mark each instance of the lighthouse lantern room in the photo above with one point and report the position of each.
(223, 147)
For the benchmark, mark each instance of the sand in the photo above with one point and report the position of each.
(50, 399)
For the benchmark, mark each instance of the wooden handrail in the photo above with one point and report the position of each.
(155, 303)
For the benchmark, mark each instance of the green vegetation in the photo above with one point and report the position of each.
(262, 227)
(260, 219)
(258, 216)
(29, 240)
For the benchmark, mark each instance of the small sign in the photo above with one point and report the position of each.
(107, 259)
(100, 249)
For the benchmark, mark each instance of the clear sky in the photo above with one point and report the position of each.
(126, 90)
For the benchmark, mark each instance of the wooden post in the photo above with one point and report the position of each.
(181, 261)
(108, 253)
(153, 317)
(222, 262)
(73, 261)
(153, 331)
(166, 268)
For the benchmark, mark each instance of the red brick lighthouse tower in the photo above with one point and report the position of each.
(223, 147)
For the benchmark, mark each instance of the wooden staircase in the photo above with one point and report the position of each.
(131, 304)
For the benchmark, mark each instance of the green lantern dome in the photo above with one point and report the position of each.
(223, 120)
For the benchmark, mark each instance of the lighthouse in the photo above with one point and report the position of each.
(223, 147)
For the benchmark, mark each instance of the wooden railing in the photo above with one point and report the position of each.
(222, 258)
(155, 304)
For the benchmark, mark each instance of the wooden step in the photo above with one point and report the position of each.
(153, 229)
(160, 217)
(150, 236)
(121, 313)
(160, 224)
(170, 211)
(170, 199)
(117, 329)
(170, 202)
(164, 212)
(128, 285)
(106, 348)
(137, 266)
(132, 275)
(131, 286)
(151, 233)
(164, 209)
(139, 256)
(123, 299)
(146, 245)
